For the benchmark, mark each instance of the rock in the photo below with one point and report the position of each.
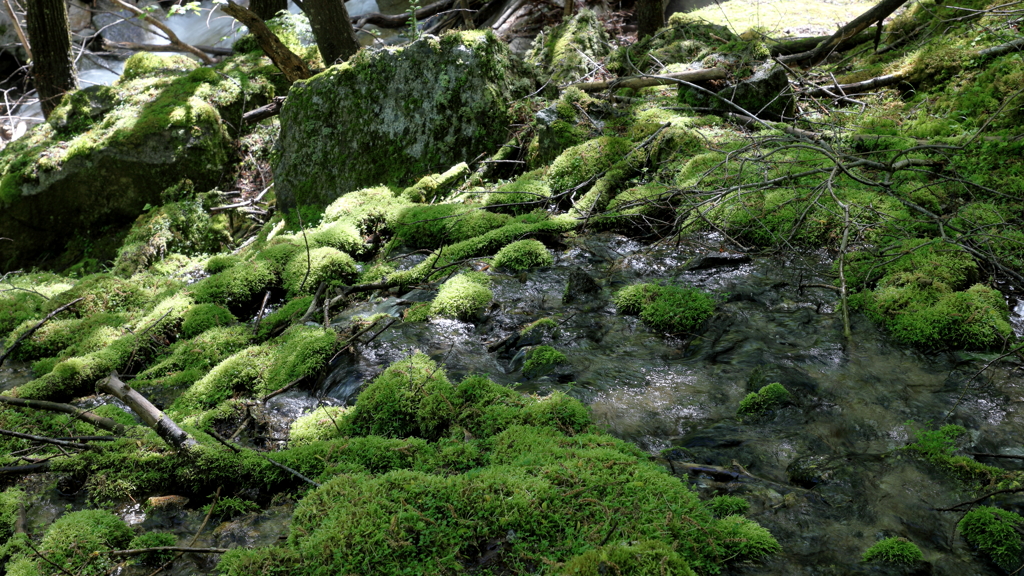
(763, 94)
(167, 502)
(569, 51)
(520, 46)
(107, 152)
(79, 16)
(579, 287)
(394, 115)
(118, 25)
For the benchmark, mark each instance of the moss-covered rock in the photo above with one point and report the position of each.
(394, 115)
(305, 272)
(994, 532)
(767, 398)
(96, 164)
(436, 187)
(568, 51)
(672, 309)
(239, 288)
(202, 317)
(463, 297)
(649, 558)
(894, 551)
(320, 424)
(433, 226)
(541, 360)
(523, 255)
(525, 194)
(71, 541)
(588, 160)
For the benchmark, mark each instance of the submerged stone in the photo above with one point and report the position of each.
(395, 115)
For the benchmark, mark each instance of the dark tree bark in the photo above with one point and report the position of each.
(286, 61)
(53, 66)
(267, 9)
(332, 28)
(650, 15)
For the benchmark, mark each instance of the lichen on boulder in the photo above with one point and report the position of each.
(394, 115)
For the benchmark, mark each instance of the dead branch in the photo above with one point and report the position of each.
(184, 549)
(32, 330)
(280, 390)
(291, 471)
(286, 61)
(750, 122)
(84, 415)
(399, 20)
(877, 13)
(46, 440)
(645, 81)
(1013, 46)
(17, 28)
(799, 45)
(171, 36)
(109, 45)
(151, 416)
(879, 82)
(263, 112)
(37, 468)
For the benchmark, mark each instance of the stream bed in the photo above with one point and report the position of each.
(825, 473)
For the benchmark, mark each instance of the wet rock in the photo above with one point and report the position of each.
(79, 16)
(394, 115)
(167, 502)
(119, 25)
(717, 260)
(580, 287)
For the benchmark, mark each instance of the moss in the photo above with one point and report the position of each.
(100, 293)
(202, 317)
(284, 316)
(142, 64)
(939, 447)
(218, 264)
(649, 558)
(189, 360)
(567, 51)
(239, 288)
(438, 225)
(588, 160)
(320, 424)
(371, 210)
(722, 506)
(153, 540)
(418, 312)
(178, 227)
(305, 272)
(341, 236)
(671, 309)
(11, 501)
(520, 196)
(894, 551)
(67, 337)
(462, 297)
(746, 539)
(437, 187)
(994, 531)
(523, 255)
(767, 398)
(280, 253)
(541, 360)
(71, 541)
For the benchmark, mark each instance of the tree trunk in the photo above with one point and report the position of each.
(332, 28)
(286, 61)
(650, 16)
(267, 9)
(53, 65)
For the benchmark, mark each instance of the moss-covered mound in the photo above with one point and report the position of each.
(672, 309)
(464, 297)
(519, 466)
(523, 255)
(394, 115)
(162, 122)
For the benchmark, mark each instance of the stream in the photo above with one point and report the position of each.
(831, 480)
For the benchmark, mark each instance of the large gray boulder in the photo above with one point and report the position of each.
(394, 115)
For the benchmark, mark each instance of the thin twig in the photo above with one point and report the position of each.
(32, 330)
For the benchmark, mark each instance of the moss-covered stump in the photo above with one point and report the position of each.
(395, 115)
(568, 51)
(107, 152)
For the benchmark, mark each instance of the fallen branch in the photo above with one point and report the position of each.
(293, 67)
(109, 45)
(33, 329)
(84, 415)
(171, 36)
(45, 440)
(17, 28)
(879, 82)
(151, 416)
(1014, 46)
(801, 45)
(280, 390)
(645, 81)
(399, 20)
(263, 112)
(37, 468)
(183, 549)
(749, 121)
(877, 13)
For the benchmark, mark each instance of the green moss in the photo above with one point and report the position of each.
(520, 196)
(142, 64)
(284, 316)
(202, 317)
(71, 541)
(894, 551)
(191, 359)
(371, 210)
(461, 297)
(523, 255)
(305, 272)
(280, 253)
(418, 312)
(767, 398)
(67, 337)
(994, 531)
(567, 51)
(11, 501)
(218, 264)
(588, 160)
(178, 227)
(939, 447)
(541, 360)
(238, 288)
(437, 187)
(671, 309)
(342, 236)
(153, 540)
(437, 225)
(320, 424)
(649, 558)
(725, 505)
(100, 293)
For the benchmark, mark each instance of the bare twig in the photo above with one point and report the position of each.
(33, 329)
(17, 28)
(82, 414)
(182, 549)
(45, 440)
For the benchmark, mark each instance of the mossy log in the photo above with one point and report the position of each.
(151, 416)
(84, 415)
(645, 81)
